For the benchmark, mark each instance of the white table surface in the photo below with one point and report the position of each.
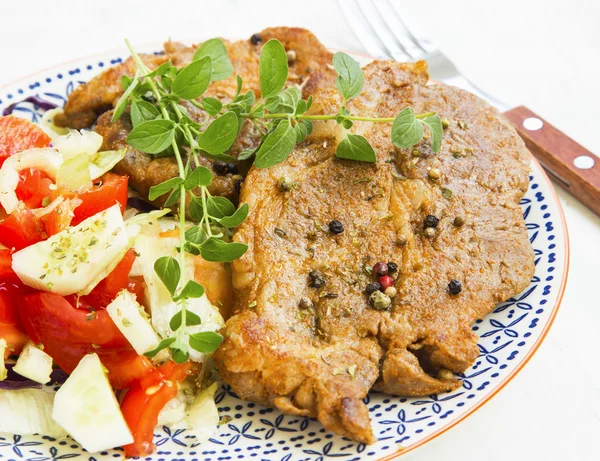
(541, 53)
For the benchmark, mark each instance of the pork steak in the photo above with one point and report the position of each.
(92, 102)
(317, 350)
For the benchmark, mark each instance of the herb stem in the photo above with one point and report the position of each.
(196, 103)
(332, 117)
(136, 58)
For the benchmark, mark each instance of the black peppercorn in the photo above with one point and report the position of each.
(336, 227)
(372, 287)
(232, 168)
(430, 221)
(392, 267)
(454, 287)
(220, 167)
(317, 279)
(255, 39)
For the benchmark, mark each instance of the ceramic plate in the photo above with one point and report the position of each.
(509, 336)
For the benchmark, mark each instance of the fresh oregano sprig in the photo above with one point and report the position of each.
(162, 126)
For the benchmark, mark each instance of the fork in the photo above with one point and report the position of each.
(386, 35)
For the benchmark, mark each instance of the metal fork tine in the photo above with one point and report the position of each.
(380, 29)
(415, 35)
(396, 30)
(354, 18)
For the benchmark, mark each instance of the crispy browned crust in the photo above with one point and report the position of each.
(90, 100)
(145, 170)
(321, 362)
(97, 96)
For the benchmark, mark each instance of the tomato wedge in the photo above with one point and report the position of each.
(6, 272)
(68, 333)
(33, 188)
(20, 229)
(111, 188)
(10, 325)
(108, 289)
(60, 218)
(144, 401)
(18, 134)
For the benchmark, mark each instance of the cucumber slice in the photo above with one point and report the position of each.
(76, 259)
(86, 407)
(34, 363)
(132, 321)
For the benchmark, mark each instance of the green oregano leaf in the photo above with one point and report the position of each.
(173, 197)
(350, 78)
(200, 176)
(143, 111)
(215, 250)
(215, 49)
(152, 137)
(435, 127)
(191, 319)
(273, 68)
(196, 235)
(162, 345)
(219, 207)
(212, 106)
(356, 147)
(205, 342)
(163, 188)
(303, 129)
(191, 290)
(220, 134)
(125, 81)
(196, 210)
(285, 102)
(193, 79)
(160, 70)
(179, 355)
(407, 130)
(168, 271)
(277, 146)
(236, 218)
(239, 85)
(246, 154)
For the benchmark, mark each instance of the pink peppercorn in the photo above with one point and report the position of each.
(386, 281)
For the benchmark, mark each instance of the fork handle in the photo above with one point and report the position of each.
(574, 167)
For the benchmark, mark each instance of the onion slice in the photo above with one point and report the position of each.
(45, 159)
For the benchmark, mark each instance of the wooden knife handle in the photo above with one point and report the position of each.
(574, 167)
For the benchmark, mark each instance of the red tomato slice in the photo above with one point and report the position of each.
(6, 272)
(18, 134)
(10, 325)
(69, 333)
(108, 289)
(21, 229)
(33, 188)
(60, 218)
(111, 189)
(137, 287)
(124, 367)
(144, 401)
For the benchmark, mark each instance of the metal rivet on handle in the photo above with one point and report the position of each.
(584, 162)
(533, 124)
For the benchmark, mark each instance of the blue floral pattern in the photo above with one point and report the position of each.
(507, 336)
